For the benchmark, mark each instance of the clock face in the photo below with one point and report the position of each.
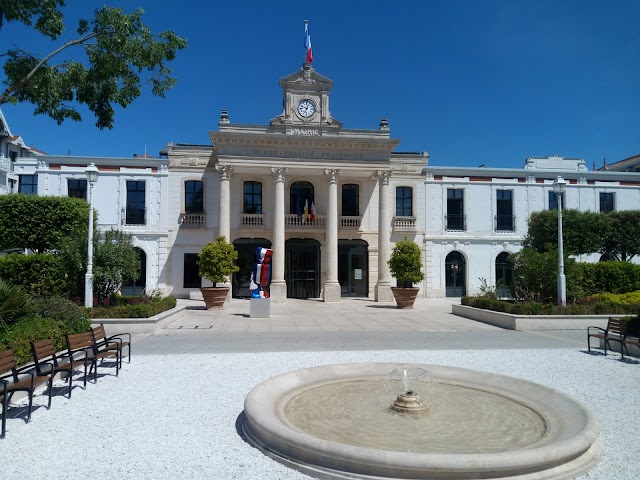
(306, 108)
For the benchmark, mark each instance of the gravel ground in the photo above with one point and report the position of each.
(174, 416)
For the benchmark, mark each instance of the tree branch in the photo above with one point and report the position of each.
(18, 85)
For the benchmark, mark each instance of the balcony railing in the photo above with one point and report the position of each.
(505, 223)
(193, 220)
(455, 222)
(252, 220)
(404, 224)
(298, 221)
(350, 222)
(5, 164)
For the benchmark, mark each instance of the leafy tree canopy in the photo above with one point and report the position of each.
(115, 52)
(115, 261)
(623, 240)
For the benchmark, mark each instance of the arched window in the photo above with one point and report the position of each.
(350, 200)
(454, 274)
(504, 275)
(404, 202)
(300, 193)
(252, 198)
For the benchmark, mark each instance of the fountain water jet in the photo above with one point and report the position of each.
(335, 422)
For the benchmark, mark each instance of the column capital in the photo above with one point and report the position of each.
(332, 174)
(278, 173)
(383, 176)
(224, 171)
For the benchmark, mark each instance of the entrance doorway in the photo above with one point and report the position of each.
(246, 248)
(353, 268)
(454, 273)
(136, 287)
(302, 268)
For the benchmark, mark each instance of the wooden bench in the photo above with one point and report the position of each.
(14, 379)
(49, 362)
(114, 342)
(82, 347)
(615, 331)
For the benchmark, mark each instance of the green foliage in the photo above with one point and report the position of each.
(405, 263)
(217, 260)
(536, 276)
(38, 273)
(583, 232)
(589, 306)
(630, 298)
(13, 302)
(623, 240)
(613, 277)
(70, 317)
(31, 329)
(116, 53)
(149, 308)
(44, 221)
(115, 261)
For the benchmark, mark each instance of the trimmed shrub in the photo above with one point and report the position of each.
(613, 277)
(140, 310)
(71, 318)
(38, 273)
(590, 306)
(31, 329)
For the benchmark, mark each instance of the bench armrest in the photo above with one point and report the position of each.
(596, 328)
(115, 337)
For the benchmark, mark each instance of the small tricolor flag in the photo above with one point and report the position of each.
(307, 43)
(313, 212)
(306, 211)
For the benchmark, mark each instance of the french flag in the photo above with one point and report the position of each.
(307, 43)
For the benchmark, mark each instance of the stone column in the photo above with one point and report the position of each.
(278, 284)
(331, 290)
(224, 217)
(383, 287)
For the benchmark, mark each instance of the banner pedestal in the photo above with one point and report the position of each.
(260, 308)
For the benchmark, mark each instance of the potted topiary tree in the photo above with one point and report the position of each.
(405, 265)
(216, 260)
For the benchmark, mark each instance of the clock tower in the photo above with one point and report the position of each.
(305, 102)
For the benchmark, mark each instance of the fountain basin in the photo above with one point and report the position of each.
(561, 438)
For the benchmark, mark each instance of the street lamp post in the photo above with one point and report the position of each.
(559, 187)
(92, 177)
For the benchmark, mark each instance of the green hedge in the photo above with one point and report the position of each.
(38, 273)
(612, 277)
(589, 306)
(140, 310)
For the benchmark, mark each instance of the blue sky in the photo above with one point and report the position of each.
(470, 82)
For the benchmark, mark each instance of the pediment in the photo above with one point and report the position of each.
(305, 77)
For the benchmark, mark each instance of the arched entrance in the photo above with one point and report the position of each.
(246, 248)
(136, 287)
(353, 268)
(455, 275)
(302, 268)
(504, 275)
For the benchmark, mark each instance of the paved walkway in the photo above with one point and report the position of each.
(351, 325)
(349, 315)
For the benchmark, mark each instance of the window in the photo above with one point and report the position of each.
(504, 211)
(553, 201)
(77, 188)
(135, 203)
(193, 197)
(404, 202)
(28, 184)
(252, 200)
(136, 286)
(607, 202)
(192, 278)
(350, 200)
(455, 217)
(504, 275)
(301, 193)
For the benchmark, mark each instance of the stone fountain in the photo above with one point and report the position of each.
(381, 421)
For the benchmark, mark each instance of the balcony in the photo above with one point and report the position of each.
(350, 222)
(505, 223)
(251, 220)
(455, 222)
(5, 164)
(133, 216)
(404, 224)
(193, 220)
(295, 222)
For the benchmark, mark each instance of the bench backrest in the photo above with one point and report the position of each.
(616, 326)
(7, 361)
(76, 341)
(99, 332)
(43, 349)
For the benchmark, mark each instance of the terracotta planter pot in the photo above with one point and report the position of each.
(405, 297)
(214, 297)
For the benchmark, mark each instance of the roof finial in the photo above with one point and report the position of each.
(224, 116)
(384, 125)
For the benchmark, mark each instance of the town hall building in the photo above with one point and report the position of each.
(330, 201)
